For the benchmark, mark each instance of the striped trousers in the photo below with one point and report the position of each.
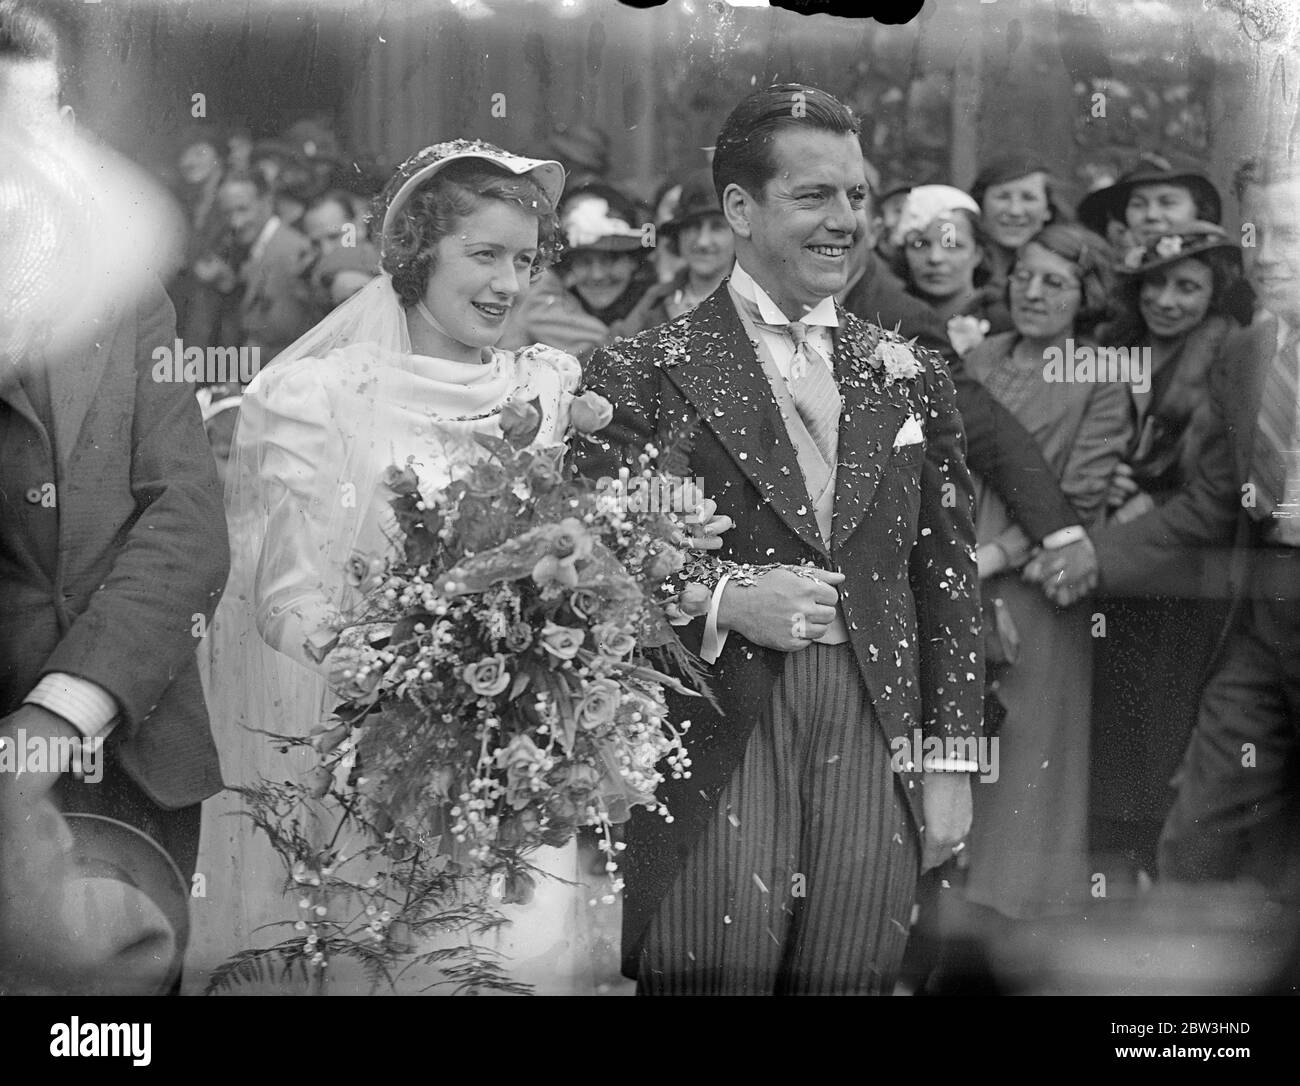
(803, 881)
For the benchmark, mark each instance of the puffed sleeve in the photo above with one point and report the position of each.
(288, 434)
(554, 376)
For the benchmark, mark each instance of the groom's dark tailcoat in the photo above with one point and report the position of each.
(113, 553)
(902, 535)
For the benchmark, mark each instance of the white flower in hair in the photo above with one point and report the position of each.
(1170, 245)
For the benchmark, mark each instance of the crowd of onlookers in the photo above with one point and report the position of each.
(992, 277)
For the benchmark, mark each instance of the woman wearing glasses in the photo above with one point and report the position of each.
(1028, 845)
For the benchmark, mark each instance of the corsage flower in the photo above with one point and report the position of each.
(897, 360)
(966, 332)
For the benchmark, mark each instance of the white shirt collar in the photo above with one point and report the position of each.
(823, 313)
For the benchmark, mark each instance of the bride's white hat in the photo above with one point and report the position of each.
(548, 173)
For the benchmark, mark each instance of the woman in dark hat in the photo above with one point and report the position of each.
(1176, 291)
(1159, 193)
(698, 231)
(1018, 196)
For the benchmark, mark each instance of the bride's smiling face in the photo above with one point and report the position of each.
(481, 271)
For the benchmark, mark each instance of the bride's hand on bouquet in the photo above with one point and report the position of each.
(705, 526)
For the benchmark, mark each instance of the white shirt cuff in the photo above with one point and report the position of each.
(714, 640)
(88, 707)
(1063, 537)
(949, 765)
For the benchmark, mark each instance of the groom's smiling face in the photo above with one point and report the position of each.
(796, 239)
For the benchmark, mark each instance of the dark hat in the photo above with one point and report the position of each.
(581, 148)
(697, 198)
(1097, 208)
(1175, 244)
(1004, 168)
(113, 919)
(895, 187)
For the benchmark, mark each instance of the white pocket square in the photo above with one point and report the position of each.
(909, 433)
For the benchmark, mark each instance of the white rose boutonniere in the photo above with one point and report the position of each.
(966, 332)
(897, 360)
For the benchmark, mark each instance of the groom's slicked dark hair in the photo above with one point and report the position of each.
(26, 34)
(743, 154)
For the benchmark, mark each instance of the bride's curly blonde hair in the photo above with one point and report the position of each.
(434, 209)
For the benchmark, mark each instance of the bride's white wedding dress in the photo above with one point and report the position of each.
(322, 431)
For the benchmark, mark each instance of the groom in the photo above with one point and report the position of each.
(792, 857)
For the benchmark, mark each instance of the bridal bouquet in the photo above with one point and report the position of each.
(502, 681)
(506, 671)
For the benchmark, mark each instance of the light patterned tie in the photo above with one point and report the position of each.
(1273, 461)
(815, 394)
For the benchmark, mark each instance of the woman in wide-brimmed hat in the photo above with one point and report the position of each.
(700, 233)
(1176, 291)
(594, 293)
(1159, 193)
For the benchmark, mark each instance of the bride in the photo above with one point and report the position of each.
(406, 369)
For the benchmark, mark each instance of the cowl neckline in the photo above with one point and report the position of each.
(459, 389)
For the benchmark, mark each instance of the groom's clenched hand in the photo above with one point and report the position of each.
(782, 609)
